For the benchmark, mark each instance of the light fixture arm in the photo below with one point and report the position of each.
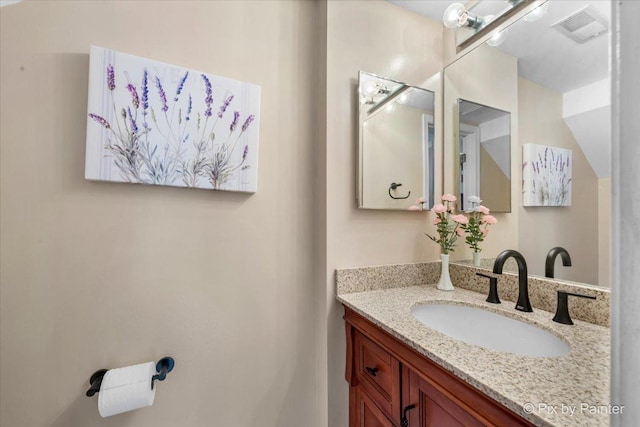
(472, 21)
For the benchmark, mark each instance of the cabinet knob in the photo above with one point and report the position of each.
(371, 371)
(404, 422)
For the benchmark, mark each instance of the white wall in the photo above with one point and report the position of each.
(99, 275)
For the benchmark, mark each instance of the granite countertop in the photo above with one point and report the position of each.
(571, 390)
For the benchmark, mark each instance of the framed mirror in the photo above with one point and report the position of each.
(484, 135)
(395, 144)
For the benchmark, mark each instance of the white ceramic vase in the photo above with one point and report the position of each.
(476, 259)
(444, 284)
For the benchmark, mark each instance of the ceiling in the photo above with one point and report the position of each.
(472, 113)
(545, 55)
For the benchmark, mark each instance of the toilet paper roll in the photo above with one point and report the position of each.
(126, 389)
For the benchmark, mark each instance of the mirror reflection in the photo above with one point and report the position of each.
(551, 72)
(485, 155)
(396, 143)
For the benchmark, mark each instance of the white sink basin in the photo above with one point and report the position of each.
(489, 330)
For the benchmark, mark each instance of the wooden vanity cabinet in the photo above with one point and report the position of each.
(389, 383)
(363, 412)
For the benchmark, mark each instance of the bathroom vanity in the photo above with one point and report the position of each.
(392, 384)
(403, 373)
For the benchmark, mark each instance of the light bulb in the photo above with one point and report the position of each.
(370, 88)
(537, 13)
(498, 38)
(403, 98)
(453, 14)
(389, 107)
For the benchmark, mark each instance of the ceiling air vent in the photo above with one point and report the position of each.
(582, 26)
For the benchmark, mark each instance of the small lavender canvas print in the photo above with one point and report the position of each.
(160, 124)
(546, 176)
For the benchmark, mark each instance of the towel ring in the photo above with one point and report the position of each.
(395, 185)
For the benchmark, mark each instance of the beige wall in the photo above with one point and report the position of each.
(575, 227)
(491, 176)
(485, 76)
(392, 148)
(380, 38)
(97, 275)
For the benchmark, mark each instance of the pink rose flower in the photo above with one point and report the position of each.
(439, 208)
(489, 219)
(460, 219)
(483, 209)
(415, 208)
(437, 221)
(459, 231)
(449, 198)
(484, 231)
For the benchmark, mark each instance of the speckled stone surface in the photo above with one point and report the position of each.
(579, 378)
(543, 293)
(510, 264)
(363, 279)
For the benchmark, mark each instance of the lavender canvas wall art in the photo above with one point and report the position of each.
(160, 124)
(546, 175)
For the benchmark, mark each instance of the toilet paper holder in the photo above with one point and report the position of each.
(163, 367)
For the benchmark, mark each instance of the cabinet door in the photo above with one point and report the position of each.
(363, 412)
(378, 373)
(432, 407)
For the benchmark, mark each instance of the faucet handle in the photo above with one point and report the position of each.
(493, 289)
(562, 310)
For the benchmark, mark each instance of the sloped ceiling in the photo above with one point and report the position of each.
(592, 130)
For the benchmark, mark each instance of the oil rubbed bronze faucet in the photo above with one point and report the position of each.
(523, 303)
(551, 260)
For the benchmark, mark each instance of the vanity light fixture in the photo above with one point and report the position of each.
(387, 104)
(498, 37)
(371, 89)
(402, 99)
(367, 101)
(457, 15)
(537, 13)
